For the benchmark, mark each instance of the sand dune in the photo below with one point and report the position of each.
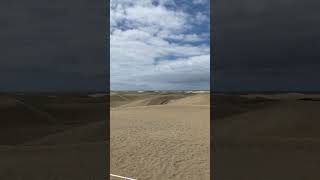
(198, 99)
(162, 136)
(7, 102)
(89, 133)
(153, 100)
(65, 162)
(284, 119)
(20, 123)
(61, 137)
(280, 141)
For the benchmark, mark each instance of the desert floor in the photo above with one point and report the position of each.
(52, 138)
(277, 139)
(160, 135)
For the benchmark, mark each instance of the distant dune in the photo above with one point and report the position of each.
(198, 99)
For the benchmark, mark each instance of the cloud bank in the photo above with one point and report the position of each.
(159, 44)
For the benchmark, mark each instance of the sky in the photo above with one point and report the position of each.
(53, 46)
(267, 45)
(160, 44)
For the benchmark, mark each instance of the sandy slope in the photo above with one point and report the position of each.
(161, 141)
(52, 138)
(89, 133)
(278, 142)
(65, 162)
(198, 99)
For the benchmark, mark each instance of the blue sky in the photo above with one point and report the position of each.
(160, 44)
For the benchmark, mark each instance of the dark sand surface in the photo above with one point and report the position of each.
(58, 138)
(278, 139)
(156, 136)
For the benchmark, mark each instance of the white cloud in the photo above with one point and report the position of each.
(200, 1)
(188, 37)
(144, 35)
(200, 18)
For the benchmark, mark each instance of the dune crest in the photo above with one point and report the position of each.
(198, 99)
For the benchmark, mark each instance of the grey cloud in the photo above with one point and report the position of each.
(143, 56)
